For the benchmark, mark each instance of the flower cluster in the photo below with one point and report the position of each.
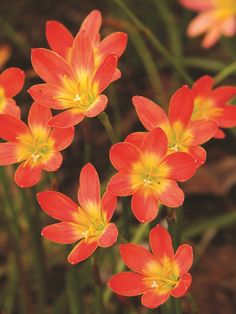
(150, 164)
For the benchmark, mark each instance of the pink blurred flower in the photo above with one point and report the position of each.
(215, 18)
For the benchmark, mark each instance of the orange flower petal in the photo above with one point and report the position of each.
(183, 286)
(59, 38)
(123, 155)
(82, 251)
(12, 81)
(108, 236)
(92, 24)
(49, 65)
(105, 72)
(82, 57)
(66, 119)
(25, 176)
(203, 86)
(161, 243)
(39, 116)
(136, 138)
(62, 137)
(109, 203)
(150, 114)
(181, 106)
(54, 163)
(114, 43)
(155, 143)
(120, 184)
(199, 155)
(223, 94)
(127, 284)
(184, 258)
(57, 205)
(203, 131)
(11, 108)
(62, 232)
(11, 128)
(136, 257)
(181, 166)
(172, 196)
(197, 5)
(8, 154)
(46, 94)
(152, 299)
(144, 207)
(89, 186)
(97, 107)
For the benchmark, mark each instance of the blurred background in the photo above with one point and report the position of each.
(34, 274)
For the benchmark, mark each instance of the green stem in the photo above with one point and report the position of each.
(149, 64)
(11, 219)
(103, 117)
(98, 304)
(219, 222)
(230, 69)
(170, 27)
(73, 291)
(155, 42)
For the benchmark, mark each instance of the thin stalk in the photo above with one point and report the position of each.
(155, 42)
(203, 63)
(37, 248)
(219, 222)
(115, 110)
(149, 64)
(103, 117)
(227, 71)
(10, 218)
(73, 291)
(170, 26)
(99, 303)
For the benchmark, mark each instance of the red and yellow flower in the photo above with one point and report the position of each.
(216, 18)
(36, 147)
(11, 83)
(184, 134)
(88, 223)
(214, 104)
(155, 276)
(77, 71)
(149, 175)
(61, 40)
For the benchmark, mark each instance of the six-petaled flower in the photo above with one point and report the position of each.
(61, 40)
(149, 174)
(155, 276)
(36, 147)
(88, 222)
(184, 134)
(216, 18)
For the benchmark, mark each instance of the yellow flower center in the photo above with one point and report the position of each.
(179, 138)
(2, 100)
(162, 277)
(149, 173)
(204, 108)
(78, 94)
(36, 147)
(90, 221)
